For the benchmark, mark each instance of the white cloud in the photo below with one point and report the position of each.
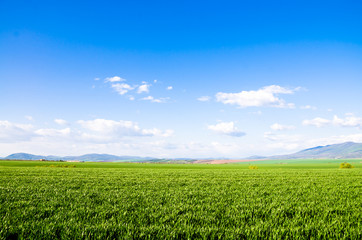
(116, 129)
(11, 132)
(50, 132)
(264, 97)
(223, 148)
(282, 137)
(114, 79)
(144, 88)
(169, 88)
(157, 132)
(191, 149)
(280, 127)
(30, 118)
(257, 112)
(283, 142)
(100, 135)
(156, 100)
(155, 81)
(60, 121)
(226, 128)
(308, 107)
(122, 88)
(97, 79)
(317, 122)
(283, 146)
(204, 98)
(98, 130)
(335, 140)
(348, 121)
(109, 126)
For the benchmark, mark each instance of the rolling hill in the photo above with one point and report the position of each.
(87, 157)
(342, 150)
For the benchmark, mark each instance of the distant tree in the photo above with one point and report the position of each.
(253, 167)
(345, 165)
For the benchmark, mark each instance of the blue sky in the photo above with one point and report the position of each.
(179, 78)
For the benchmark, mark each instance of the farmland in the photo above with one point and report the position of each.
(179, 201)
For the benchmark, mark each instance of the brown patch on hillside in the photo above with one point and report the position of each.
(225, 161)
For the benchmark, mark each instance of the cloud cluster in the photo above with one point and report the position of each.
(156, 100)
(285, 142)
(125, 88)
(282, 137)
(144, 88)
(122, 88)
(335, 139)
(109, 136)
(53, 133)
(226, 128)
(60, 121)
(114, 79)
(349, 121)
(100, 130)
(204, 99)
(308, 107)
(280, 127)
(118, 129)
(264, 97)
(12, 132)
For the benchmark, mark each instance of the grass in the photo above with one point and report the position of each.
(179, 201)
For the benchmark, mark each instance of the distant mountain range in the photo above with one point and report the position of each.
(339, 151)
(335, 151)
(87, 157)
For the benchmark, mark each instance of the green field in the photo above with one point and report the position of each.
(180, 201)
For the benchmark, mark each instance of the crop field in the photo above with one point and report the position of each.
(179, 201)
